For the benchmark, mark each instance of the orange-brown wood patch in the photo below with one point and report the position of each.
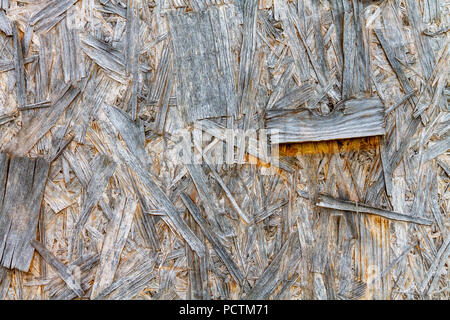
(334, 146)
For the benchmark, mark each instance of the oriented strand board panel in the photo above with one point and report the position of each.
(224, 150)
(22, 182)
(205, 81)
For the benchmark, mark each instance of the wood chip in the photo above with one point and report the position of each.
(23, 182)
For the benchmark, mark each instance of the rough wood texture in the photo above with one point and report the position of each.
(331, 203)
(232, 149)
(202, 57)
(358, 118)
(22, 182)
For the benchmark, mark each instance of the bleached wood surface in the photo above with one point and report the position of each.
(356, 118)
(101, 198)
